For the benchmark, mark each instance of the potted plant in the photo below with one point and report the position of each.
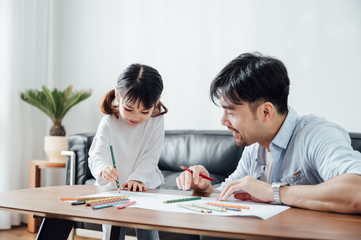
(55, 104)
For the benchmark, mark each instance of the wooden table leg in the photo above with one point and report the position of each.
(34, 182)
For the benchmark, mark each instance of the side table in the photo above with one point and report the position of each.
(34, 182)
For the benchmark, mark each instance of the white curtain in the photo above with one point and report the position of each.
(23, 65)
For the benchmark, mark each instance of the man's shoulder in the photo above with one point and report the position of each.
(311, 127)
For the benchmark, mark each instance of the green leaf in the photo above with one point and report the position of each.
(55, 103)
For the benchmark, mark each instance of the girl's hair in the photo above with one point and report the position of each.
(136, 82)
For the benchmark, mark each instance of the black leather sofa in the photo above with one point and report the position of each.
(213, 149)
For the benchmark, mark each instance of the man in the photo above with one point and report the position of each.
(304, 162)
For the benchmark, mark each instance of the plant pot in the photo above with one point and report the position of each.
(53, 145)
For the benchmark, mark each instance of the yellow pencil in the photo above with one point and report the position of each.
(90, 198)
(89, 202)
(210, 207)
(227, 205)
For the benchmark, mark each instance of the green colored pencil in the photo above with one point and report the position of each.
(114, 166)
(182, 200)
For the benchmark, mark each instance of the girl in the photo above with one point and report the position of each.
(134, 126)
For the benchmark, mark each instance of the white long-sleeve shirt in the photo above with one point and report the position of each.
(136, 150)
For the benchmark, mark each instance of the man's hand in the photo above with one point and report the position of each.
(134, 186)
(187, 180)
(110, 174)
(253, 189)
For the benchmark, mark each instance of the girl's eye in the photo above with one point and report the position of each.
(145, 113)
(127, 109)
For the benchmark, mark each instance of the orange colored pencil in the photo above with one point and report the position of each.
(67, 199)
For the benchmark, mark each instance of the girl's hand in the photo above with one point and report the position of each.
(110, 174)
(134, 186)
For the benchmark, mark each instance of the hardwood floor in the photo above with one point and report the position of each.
(21, 233)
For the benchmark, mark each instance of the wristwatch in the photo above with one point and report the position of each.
(276, 191)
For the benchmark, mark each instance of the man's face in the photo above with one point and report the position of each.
(244, 124)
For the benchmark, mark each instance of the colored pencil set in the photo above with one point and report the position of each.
(101, 202)
(109, 203)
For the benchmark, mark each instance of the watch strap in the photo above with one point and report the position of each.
(276, 192)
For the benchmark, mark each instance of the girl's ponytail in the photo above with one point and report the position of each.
(106, 104)
(159, 109)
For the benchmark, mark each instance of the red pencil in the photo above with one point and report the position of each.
(126, 205)
(203, 176)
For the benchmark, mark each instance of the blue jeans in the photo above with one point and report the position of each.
(142, 234)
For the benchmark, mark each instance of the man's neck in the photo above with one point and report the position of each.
(274, 128)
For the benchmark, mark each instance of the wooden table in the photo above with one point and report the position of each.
(291, 224)
(34, 182)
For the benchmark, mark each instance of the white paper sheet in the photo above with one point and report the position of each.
(155, 201)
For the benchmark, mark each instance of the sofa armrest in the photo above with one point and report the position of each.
(80, 145)
(356, 141)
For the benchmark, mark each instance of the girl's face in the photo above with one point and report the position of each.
(133, 114)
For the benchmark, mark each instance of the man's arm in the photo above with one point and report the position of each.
(339, 194)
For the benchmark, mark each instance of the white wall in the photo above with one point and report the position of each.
(88, 43)
(190, 41)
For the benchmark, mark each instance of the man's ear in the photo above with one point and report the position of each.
(267, 111)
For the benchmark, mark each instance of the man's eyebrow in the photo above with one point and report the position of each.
(226, 106)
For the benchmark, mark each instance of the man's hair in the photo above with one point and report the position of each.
(253, 78)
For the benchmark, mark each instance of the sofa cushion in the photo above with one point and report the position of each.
(215, 150)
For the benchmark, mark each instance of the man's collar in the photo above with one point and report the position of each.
(285, 133)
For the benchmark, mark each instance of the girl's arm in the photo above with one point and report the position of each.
(99, 153)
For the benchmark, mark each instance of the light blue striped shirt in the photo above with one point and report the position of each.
(306, 150)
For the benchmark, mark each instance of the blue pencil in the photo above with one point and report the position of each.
(115, 167)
